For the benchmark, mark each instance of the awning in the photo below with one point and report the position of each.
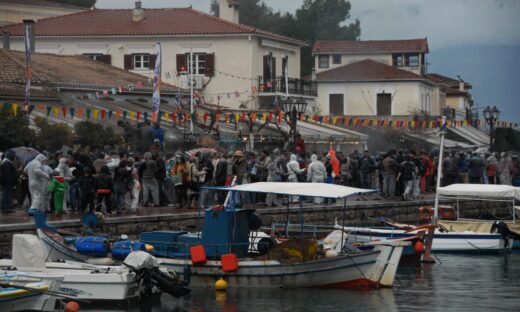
(472, 135)
(480, 191)
(432, 137)
(299, 189)
(325, 132)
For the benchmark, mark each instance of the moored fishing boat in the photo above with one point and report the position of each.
(220, 250)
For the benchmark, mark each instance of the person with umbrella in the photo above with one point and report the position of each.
(8, 179)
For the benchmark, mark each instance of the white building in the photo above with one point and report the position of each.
(15, 11)
(375, 78)
(235, 65)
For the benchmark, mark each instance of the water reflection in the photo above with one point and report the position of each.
(455, 283)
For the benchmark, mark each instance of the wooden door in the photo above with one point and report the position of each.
(384, 104)
(336, 104)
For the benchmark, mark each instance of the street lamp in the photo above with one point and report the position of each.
(491, 115)
(293, 108)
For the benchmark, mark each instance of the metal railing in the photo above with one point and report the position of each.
(294, 86)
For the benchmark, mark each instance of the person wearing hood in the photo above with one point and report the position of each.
(38, 181)
(274, 171)
(57, 188)
(295, 173)
(8, 179)
(316, 173)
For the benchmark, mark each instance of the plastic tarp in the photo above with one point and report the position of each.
(141, 259)
(28, 251)
(481, 191)
(299, 189)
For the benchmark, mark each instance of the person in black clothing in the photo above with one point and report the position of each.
(87, 188)
(160, 176)
(221, 177)
(105, 187)
(8, 179)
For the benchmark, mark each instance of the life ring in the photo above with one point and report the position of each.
(425, 213)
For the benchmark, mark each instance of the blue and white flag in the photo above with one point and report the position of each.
(156, 100)
(442, 123)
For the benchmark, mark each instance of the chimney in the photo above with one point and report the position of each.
(137, 12)
(6, 40)
(30, 26)
(228, 10)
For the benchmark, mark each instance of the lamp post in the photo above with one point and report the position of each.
(491, 115)
(292, 108)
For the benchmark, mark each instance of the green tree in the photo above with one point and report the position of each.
(79, 3)
(14, 131)
(94, 135)
(52, 137)
(314, 20)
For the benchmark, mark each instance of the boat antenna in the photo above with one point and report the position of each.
(439, 171)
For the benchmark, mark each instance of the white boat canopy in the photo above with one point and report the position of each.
(480, 191)
(299, 189)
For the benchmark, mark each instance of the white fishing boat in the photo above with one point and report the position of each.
(226, 233)
(452, 236)
(25, 291)
(82, 280)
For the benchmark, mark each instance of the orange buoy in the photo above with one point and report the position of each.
(418, 247)
(72, 306)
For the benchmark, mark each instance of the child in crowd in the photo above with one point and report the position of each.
(57, 188)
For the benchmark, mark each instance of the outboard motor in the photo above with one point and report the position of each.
(502, 228)
(146, 268)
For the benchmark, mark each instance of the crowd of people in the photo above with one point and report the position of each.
(118, 182)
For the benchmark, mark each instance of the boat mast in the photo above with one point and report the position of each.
(439, 172)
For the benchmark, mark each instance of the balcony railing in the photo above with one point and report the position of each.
(295, 86)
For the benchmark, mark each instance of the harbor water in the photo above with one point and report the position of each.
(454, 283)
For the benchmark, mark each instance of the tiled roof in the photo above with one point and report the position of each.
(371, 46)
(450, 82)
(68, 71)
(157, 22)
(43, 3)
(368, 70)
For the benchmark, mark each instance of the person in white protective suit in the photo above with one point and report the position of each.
(38, 183)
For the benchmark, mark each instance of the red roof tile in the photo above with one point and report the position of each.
(371, 46)
(157, 22)
(368, 70)
(68, 71)
(450, 82)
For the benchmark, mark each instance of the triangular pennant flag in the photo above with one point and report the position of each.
(103, 112)
(325, 119)
(145, 116)
(237, 117)
(320, 119)
(132, 115)
(253, 117)
(95, 114)
(125, 113)
(88, 113)
(64, 111)
(166, 116)
(49, 110)
(31, 108)
(14, 107)
(56, 112)
(270, 117)
(113, 91)
(138, 116)
(244, 117)
(40, 107)
(118, 114)
(110, 114)
(72, 111)
(80, 112)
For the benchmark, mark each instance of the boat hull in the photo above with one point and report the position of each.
(13, 299)
(375, 268)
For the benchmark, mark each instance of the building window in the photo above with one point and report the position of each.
(397, 60)
(323, 61)
(336, 104)
(94, 56)
(412, 60)
(336, 59)
(198, 63)
(141, 61)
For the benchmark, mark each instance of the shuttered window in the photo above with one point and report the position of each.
(202, 64)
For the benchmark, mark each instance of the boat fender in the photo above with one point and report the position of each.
(72, 306)
(331, 254)
(425, 213)
(418, 247)
(221, 285)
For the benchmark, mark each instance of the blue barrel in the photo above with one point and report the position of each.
(93, 246)
(121, 249)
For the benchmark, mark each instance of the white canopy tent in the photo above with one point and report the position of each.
(481, 191)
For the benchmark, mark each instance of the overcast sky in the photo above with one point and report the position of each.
(444, 22)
